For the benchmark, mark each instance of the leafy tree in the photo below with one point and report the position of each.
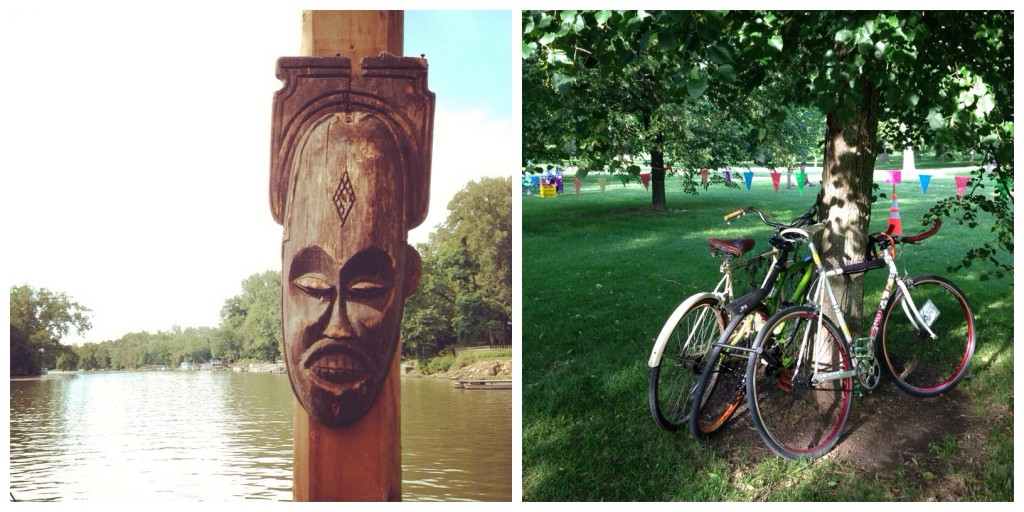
(39, 319)
(251, 322)
(479, 225)
(465, 294)
(946, 76)
(603, 88)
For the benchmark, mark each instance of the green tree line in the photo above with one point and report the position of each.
(249, 331)
(465, 294)
(465, 298)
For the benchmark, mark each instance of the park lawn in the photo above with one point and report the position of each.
(601, 273)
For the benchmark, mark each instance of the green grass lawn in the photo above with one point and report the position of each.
(601, 274)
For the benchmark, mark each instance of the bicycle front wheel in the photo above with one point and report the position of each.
(671, 381)
(722, 385)
(918, 364)
(799, 384)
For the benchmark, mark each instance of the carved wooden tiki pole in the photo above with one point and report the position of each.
(350, 176)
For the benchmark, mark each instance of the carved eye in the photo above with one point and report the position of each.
(314, 284)
(367, 288)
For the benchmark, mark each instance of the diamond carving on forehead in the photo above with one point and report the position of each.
(344, 197)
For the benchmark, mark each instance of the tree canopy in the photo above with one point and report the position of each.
(943, 77)
(39, 319)
(465, 295)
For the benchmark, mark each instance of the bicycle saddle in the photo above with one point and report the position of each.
(735, 246)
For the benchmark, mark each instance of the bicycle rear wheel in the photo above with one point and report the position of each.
(671, 381)
(918, 364)
(722, 385)
(797, 416)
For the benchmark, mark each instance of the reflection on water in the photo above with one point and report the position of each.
(456, 443)
(218, 436)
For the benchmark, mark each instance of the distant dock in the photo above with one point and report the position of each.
(483, 384)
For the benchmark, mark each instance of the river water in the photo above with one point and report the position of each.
(224, 436)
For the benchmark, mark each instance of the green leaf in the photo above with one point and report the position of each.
(563, 83)
(935, 120)
(776, 42)
(529, 49)
(545, 20)
(602, 17)
(546, 39)
(697, 87)
(645, 41)
(985, 105)
(719, 54)
(880, 48)
(528, 26)
(567, 16)
(580, 24)
(727, 72)
(844, 36)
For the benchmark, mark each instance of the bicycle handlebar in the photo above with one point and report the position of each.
(883, 238)
(804, 220)
(913, 239)
(733, 215)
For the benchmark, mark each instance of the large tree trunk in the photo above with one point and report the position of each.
(846, 182)
(657, 180)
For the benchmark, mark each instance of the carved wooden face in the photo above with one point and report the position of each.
(345, 276)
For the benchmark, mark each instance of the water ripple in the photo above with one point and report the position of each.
(219, 436)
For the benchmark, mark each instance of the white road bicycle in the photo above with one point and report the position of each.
(803, 365)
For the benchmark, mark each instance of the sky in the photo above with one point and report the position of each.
(135, 145)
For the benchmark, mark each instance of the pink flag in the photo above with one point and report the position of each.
(961, 185)
(775, 180)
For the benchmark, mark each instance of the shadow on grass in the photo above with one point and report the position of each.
(600, 275)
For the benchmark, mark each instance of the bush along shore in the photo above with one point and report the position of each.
(491, 364)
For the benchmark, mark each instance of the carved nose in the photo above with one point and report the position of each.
(338, 326)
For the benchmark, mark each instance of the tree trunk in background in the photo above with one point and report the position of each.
(657, 180)
(846, 205)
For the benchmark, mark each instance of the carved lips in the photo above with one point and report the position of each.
(336, 366)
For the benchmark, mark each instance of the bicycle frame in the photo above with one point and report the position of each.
(825, 290)
(723, 291)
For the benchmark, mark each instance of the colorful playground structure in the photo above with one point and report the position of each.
(548, 184)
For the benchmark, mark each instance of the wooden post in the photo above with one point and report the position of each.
(347, 456)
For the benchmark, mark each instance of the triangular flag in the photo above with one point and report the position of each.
(728, 177)
(801, 177)
(748, 176)
(961, 185)
(576, 183)
(925, 179)
(704, 177)
(646, 178)
(775, 180)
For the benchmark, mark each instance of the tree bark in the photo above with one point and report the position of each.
(846, 182)
(657, 180)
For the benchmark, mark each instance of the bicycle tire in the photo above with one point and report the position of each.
(671, 380)
(796, 418)
(722, 385)
(918, 365)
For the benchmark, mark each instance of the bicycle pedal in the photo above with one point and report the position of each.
(785, 381)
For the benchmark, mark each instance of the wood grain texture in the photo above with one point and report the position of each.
(352, 130)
